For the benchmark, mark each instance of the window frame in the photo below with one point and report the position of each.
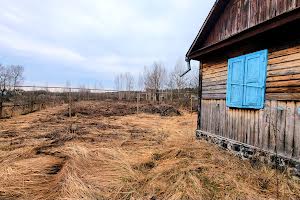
(261, 84)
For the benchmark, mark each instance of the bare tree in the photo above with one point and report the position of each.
(155, 77)
(194, 79)
(179, 82)
(117, 82)
(170, 85)
(129, 81)
(140, 82)
(16, 72)
(3, 85)
(10, 77)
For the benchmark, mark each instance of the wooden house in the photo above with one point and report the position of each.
(249, 53)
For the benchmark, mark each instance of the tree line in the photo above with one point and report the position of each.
(156, 77)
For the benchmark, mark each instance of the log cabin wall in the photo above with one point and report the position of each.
(240, 15)
(277, 124)
(283, 76)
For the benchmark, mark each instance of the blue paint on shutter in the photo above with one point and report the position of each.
(255, 79)
(234, 96)
(246, 83)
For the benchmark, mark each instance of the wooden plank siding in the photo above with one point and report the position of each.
(276, 125)
(283, 76)
(240, 15)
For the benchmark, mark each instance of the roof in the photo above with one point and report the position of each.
(212, 17)
(198, 48)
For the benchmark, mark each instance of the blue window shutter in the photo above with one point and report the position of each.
(255, 79)
(235, 82)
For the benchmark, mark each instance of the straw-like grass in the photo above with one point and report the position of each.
(139, 157)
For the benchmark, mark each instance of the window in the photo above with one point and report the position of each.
(246, 80)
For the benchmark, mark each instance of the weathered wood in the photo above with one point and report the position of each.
(235, 129)
(214, 87)
(229, 123)
(273, 126)
(256, 128)
(214, 96)
(266, 125)
(243, 14)
(220, 74)
(280, 127)
(269, 96)
(205, 116)
(282, 81)
(283, 78)
(285, 58)
(248, 127)
(284, 65)
(284, 90)
(285, 72)
(276, 124)
(207, 91)
(202, 115)
(284, 52)
(289, 128)
(222, 118)
(297, 131)
(252, 123)
(283, 96)
(217, 114)
(215, 81)
(261, 128)
(211, 69)
(226, 122)
(243, 126)
(210, 114)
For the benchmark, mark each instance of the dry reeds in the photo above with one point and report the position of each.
(147, 157)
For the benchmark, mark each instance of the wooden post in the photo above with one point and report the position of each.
(191, 96)
(137, 102)
(1, 107)
(70, 111)
(200, 97)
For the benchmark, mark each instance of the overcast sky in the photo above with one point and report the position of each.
(89, 41)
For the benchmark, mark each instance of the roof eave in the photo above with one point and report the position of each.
(217, 9)
(247, 33)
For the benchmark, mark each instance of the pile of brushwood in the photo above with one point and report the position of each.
(107, 109)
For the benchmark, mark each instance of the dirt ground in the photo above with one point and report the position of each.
(107, 151)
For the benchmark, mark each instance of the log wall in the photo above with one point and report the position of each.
(283, 78)
(240, 15)
(276, 125)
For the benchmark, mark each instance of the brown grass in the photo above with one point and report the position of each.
(124, 157)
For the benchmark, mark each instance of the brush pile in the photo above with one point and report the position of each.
(108, 109)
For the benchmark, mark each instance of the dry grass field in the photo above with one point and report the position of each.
(106, 151)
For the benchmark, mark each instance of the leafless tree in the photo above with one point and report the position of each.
(179, 82)
(10, 77)
(194, 78)
(117, 82)
(155, 77)
(140, 82)
(16, 72)
(129, 81)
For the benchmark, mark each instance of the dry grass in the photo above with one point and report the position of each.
(124, 157)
